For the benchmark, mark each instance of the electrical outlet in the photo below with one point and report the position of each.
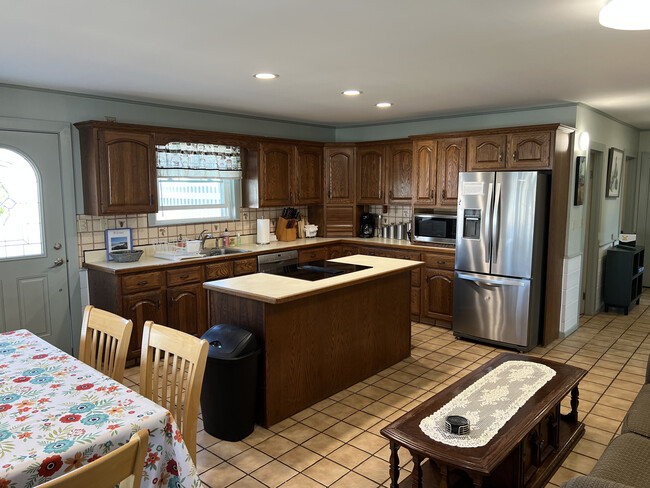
(405, 213)
(83, 225)
(108, 118)
(103, 223)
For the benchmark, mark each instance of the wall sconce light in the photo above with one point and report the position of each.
(583, 141)
(626, 15)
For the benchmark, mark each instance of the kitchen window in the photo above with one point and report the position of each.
(197, 183)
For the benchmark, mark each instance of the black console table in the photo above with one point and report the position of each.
(623, 276)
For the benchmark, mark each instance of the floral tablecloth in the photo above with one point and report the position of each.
(57, 414)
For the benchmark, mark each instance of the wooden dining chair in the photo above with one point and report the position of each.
(171, 374)
(105, 341)
(122, 466)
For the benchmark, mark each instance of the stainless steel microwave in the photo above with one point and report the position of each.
(434, 228)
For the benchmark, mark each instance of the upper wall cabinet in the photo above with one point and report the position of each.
(451, 160)
(308, 175)
(399, 166)
(525, 150)
(339, 174)
(370, 174)
(118, 169)
(275, 174)
(424, 171)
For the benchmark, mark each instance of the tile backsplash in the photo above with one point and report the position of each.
(90, 228)
(396, 214)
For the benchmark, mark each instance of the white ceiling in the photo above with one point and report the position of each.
(428, 57)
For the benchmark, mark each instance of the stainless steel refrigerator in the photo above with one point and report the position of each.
(500, 257)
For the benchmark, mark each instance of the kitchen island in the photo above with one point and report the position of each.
(319, 337)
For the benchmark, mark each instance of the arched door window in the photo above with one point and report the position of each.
(21, 226)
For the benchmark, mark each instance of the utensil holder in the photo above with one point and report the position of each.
(281, 231)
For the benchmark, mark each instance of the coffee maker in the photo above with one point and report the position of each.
(367, 227)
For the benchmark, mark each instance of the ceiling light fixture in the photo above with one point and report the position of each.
(266, 76)
(351, 93)
(384, 104)
(626, 15)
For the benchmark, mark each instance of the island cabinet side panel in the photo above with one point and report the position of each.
(322, 344)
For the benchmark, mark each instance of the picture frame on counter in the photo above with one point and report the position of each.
(118, 240)
(614, 169)
(581, 171)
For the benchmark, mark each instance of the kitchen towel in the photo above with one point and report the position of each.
(263, 231)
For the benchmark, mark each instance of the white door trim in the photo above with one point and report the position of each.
(64, 133)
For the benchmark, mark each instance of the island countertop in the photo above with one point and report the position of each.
(269, 288)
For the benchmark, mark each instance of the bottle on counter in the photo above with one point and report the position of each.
(238, 243)
(226, 238)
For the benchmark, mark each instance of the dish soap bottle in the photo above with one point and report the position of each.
(238, 239)
(226, 238)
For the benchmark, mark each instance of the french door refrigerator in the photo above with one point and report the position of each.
(500, 257)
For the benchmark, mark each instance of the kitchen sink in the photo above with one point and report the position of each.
(222, 251)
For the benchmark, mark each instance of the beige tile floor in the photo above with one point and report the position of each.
(337, 442)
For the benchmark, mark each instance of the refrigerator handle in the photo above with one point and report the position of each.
(496, 223)
(491, 281)
(486, 224)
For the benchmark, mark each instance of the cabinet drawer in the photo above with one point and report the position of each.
(179, 276)
(141, 282)
(218, 271)
(444, 261)
(316, 254)
(245, 266)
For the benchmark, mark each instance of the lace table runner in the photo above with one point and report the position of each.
(488, 403)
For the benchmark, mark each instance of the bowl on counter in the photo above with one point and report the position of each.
(126, 255)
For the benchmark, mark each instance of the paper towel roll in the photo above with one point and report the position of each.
(263, 231)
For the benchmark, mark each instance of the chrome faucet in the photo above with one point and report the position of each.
(203, 236)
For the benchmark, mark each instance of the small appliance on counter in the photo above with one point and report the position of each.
(367, 227)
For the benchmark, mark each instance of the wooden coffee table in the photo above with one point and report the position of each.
(525, 452)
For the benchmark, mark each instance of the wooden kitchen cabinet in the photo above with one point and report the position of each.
(424, 171)
(245, 266)
(308, 175)
(118, 169)
(339, 174)
(452, 154)
(437, 288)
(139, 308)
(275, 175)
(486, 152)
(399, 169)
(186, 308)
(313, 254)
(370, 174)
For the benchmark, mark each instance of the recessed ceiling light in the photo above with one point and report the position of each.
(266, 76)
(384, 104)
(626, 15)
(351, 93)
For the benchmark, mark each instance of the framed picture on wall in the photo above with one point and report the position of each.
(581, 170)
(118, 240)
(614, 169)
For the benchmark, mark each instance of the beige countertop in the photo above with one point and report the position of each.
(97, 259)
(273, 289)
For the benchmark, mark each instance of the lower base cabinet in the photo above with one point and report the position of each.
(186, 308)
(437, 289)
(139, 308)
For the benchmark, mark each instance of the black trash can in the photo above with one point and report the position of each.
(229, 383)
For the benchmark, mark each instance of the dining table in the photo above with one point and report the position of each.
(58, 414)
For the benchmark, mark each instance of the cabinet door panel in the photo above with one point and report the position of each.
(400, 173)
(314, 254)
(127, 166)
(276, 161)
(424, 174)
(245, 266)
(218, 271)
(452, 154)
(139, 308)
(438, 293)
(370, 175)
(486, 153)
(339, 173)
(308, 175)
(530, 150)
(340, 222)
(186, 308)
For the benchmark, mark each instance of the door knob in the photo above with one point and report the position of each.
(57, 262)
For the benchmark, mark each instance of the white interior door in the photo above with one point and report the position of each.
(33, 261)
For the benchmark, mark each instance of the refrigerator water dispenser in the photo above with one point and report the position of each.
(472, 224)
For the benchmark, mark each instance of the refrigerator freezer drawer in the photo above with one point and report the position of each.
(492, 308)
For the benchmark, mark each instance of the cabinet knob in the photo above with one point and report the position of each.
(444, 194)
(514, 156)
(142, 283)
(431, 195)
(158, 304)
(500, 157)
(291, 197)
(441, 262)
(184, 277)
(329, 193)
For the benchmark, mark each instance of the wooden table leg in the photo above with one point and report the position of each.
(478, 480)
(394, 465)
(416, 475)
(573, 416)
(443, 475)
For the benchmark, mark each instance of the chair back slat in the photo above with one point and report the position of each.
(105, 341)
(124, 463)
(180, 374)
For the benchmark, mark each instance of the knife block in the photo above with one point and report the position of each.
(281, 231)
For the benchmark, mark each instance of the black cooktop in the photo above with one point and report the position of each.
(314, 270)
